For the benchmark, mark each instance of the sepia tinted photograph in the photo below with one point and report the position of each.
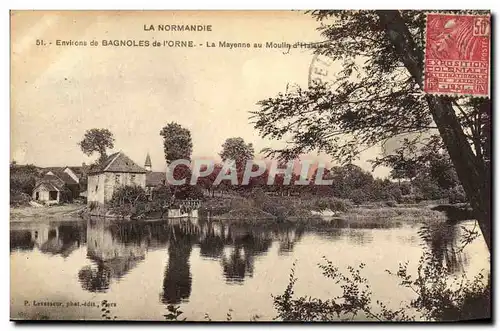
(251, 166)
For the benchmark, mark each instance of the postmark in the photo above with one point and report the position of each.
(321, 71)
(457, 54)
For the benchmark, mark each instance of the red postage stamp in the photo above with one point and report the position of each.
(457, 54)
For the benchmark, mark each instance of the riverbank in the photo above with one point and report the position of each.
(362, 217)
(65, 212)
(371, 216)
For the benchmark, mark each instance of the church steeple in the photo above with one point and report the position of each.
(147, 164)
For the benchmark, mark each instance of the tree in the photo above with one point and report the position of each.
(236, 149)
(428, 167)
(349, 178)
(377, 95)
(128, 200)
(403, 161)
(23, 178)
(97, 140)
(177, 143)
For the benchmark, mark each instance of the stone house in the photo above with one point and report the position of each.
(48, 192)
(116, 171)
(58, 184)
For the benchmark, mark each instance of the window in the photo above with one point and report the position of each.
(52, 195)
(132, 178)
(117, 179)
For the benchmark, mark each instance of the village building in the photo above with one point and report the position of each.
(154, 179)
(48, 192)
(116, 171)
(58, 184)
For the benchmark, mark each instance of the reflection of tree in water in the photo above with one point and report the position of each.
(237, 266)
(288, 237)
(177, 278)
(360, 237)
(245, 248)
(212, 240)
(95, 279)
(21, 240)
(329, 233)
(442, 239)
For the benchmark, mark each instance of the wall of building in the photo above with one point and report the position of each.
(115, 180)
(95, 188)
(100, 187)
(43, 194)
(104, 246)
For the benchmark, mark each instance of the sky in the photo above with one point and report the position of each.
(59, 92)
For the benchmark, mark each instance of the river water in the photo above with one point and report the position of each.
(208, 268)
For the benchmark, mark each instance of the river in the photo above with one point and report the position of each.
(208, 268)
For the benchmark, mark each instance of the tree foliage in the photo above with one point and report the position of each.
(439, 296)
(177, 142)
(97, 140)
(23, 178)
(426, 163)
(236, 149)
(377, 95)
(128, 200)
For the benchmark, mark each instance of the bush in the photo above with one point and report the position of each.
(129, 201)
(238, 203)
(339, 205)
(321, 204)
(259, 197)
(408, 199)
(440, 297)
(19, 199)
(457, 195)
(23, 178)
(274, 207)
(391, 203)
(359, 196)
(189, 192)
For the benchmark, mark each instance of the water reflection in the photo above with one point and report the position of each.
(114, 249)
(95, 279)
(245, 246)
(357, 237)
(49, 238)
(443, 240)
(177, 280)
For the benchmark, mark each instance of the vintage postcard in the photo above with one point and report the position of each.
(258, 166)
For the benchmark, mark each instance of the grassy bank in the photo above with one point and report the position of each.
(56, 212)
(395, 214)
(320, 212)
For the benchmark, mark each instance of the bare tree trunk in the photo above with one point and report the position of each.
(472, 173)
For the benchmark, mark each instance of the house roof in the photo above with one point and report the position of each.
(155, 178)
(61, 173)
(67, 179)
(80, 170)
(48, 178)
(50, 186)
(118, 162)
